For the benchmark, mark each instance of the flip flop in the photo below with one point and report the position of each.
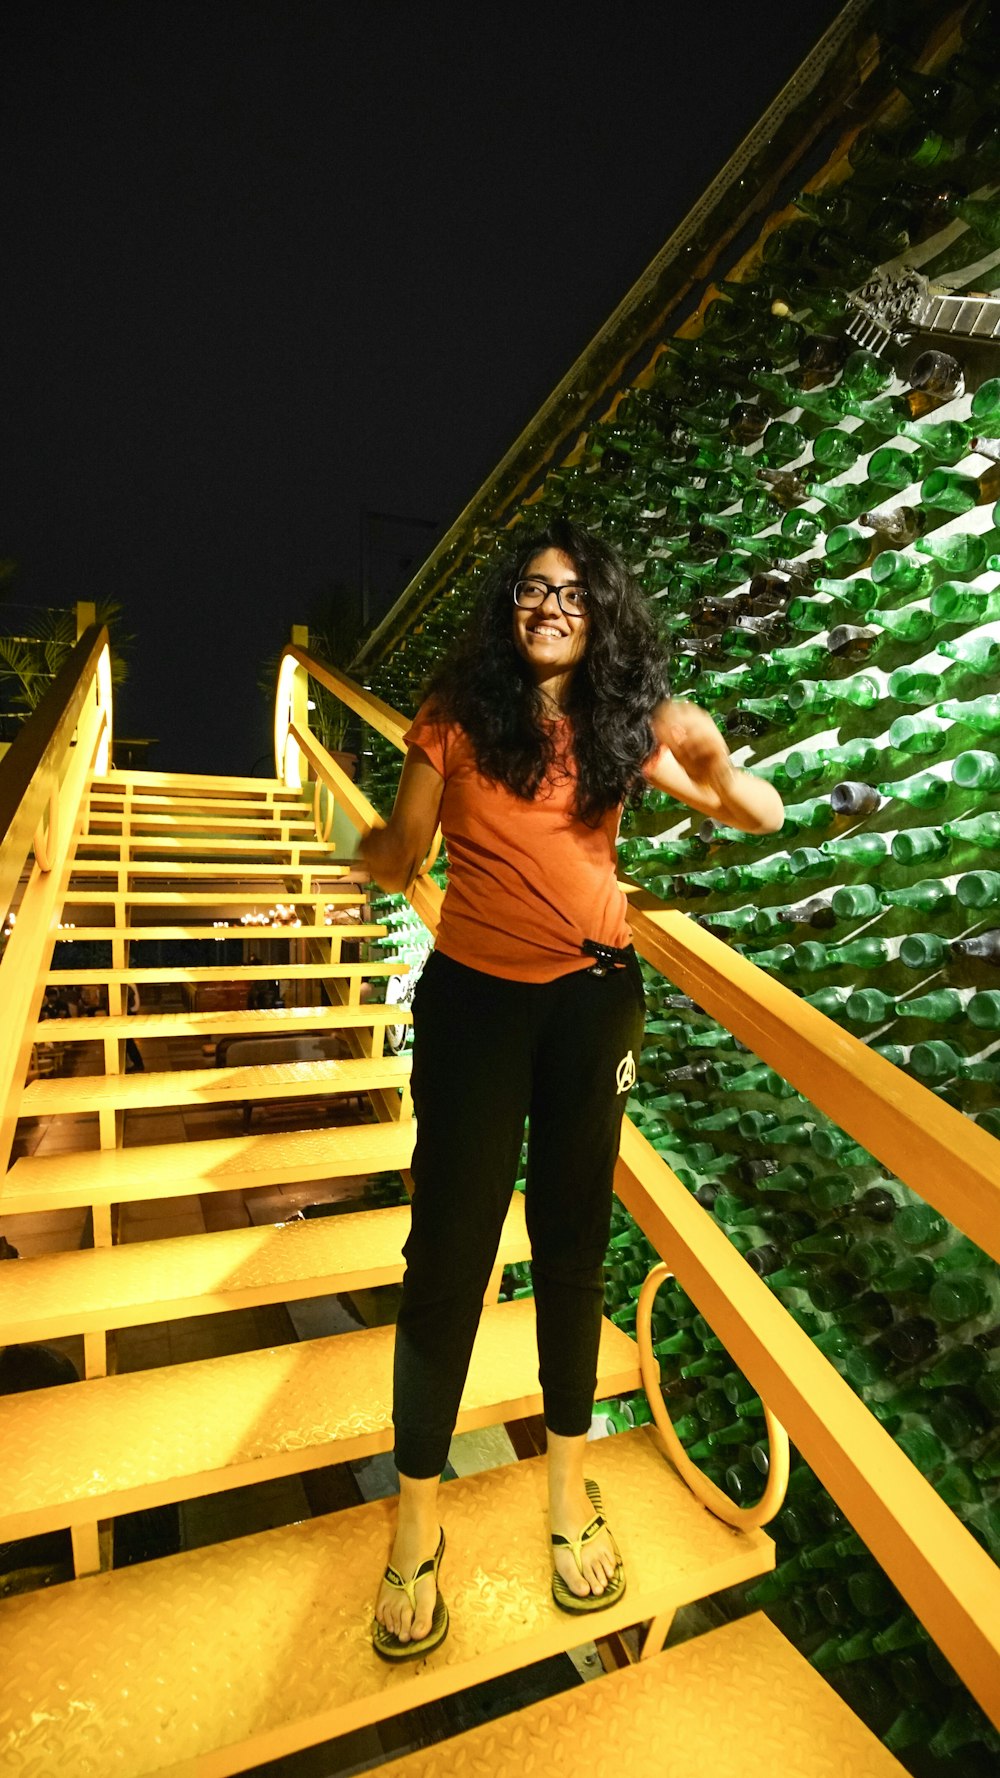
(564, 1597)
(385, 1642)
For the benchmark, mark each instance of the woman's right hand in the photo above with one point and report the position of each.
(395, 851)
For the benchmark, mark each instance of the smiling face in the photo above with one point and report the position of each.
(551, 642)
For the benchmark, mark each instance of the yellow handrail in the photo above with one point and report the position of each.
(936, 1564)
(49, 766)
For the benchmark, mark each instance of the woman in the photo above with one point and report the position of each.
(552, 711)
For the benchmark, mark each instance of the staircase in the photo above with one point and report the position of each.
(215, 1659)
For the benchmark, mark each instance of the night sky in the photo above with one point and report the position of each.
(269, 265)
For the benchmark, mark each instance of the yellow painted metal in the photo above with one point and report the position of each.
(378, 715)
(200, 784)
(738, 1702)
(156, 821)
(94, 1289)
(183, 870)
(236, 847)
(49, 765)
(937, 1151)
(218, 898)
(345, 792)
(291, 1021)
(235, 972)
(116, 1444)
(34, 767)
(186, 1169)
(341, 929)
(745, 1518)
(939, 1568)
(204, 1663)
(62, 1094)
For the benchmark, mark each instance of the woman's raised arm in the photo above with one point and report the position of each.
(692, 763)
(395, 851)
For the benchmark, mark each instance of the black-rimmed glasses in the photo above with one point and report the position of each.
(571, 596)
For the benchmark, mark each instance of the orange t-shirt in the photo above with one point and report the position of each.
(527, 880)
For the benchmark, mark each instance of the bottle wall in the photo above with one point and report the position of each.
(817, 525)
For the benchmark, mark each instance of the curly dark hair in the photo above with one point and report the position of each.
(485, 686)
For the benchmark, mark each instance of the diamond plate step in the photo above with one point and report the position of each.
(115, 1444)
(184, 1169)
(96, 1288)
(739, 1702)
(290, 1021)
(205, 1663)
(187, 1087)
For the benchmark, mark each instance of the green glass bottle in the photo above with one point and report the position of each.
(932, 896)
(978, 830)
(915, 845)
(957, 552)
(835, 450)
(869, 1006)
(957, 602)
(953, 491)
(921, 683)
(899, 571)
(910, 623)
(865, 375)
(976, 770)
(945, 441)
(857, 900)
(782, 443)
(869, 849)
(925, 734)
(924, 790)
(946, 1006)
(892, 468)
(981, 714)
(984, 1010)
(978, 652)
(986, 405)
(863, 690)
(923, 950)
(843, 500)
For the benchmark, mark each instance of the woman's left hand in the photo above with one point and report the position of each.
(692, 763)
(695, 743)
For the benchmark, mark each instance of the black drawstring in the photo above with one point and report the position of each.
(608, 956)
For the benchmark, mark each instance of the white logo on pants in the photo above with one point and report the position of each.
(625, 1073)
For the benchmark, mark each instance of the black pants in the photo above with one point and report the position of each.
(487, 1054)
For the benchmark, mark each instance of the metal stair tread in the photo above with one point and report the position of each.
(180, 867)
(120, 1443)
(342, 929)
(205, 899)
(740, 1696)
(245, 1651)
(230, 972)
(94, 1288)
(288, 1020)
(138, 842)
(186, 1169)
(208, 1086)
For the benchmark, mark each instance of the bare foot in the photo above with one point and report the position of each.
(416, 1541)
(569, 1512)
